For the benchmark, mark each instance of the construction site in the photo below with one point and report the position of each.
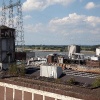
(24, 76)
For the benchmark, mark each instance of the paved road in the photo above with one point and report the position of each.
(81, 74)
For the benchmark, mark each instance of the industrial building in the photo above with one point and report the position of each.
(7, 46)
(31, 87)
(52, 58)
(94, 61)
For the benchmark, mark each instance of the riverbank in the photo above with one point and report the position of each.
(88, 52)
(46, 50)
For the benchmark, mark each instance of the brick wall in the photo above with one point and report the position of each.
(1, 93)
(49, 98)
(9, 93)
(27, 96)
(18, 94)
(38, 97)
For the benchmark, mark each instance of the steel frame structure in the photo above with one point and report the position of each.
(19, 39)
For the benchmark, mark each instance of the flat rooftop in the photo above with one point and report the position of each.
(35, 71)
(33, 80)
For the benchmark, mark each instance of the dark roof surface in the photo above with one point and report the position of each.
(5, 27)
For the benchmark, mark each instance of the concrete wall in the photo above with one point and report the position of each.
(15, 92)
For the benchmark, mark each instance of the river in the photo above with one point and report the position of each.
(45, 53)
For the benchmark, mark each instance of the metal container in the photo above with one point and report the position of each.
(50, 71)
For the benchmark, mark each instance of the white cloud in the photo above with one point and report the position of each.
(94, 21)
(27, 17)
(78, 27)
(34, 28)
(90, 5)
(42, 4)
(73, 23)
(75, 19)
(74, 28)
(0, 9)
(72, 18)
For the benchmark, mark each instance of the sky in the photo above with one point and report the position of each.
(60, 22)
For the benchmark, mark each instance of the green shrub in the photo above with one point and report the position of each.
(13, 70)
(17, 70)
(96, 83)
(57, 81)
(21, 71)
(71, 81)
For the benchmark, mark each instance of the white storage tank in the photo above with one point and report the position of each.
(98, 51)
(73, 49)
(50, 71)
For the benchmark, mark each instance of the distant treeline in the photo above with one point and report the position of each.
(90, 48)
(62, 48)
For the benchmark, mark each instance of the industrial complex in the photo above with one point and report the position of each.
(54, 77)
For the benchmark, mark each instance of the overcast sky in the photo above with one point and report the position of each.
(61, 22)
